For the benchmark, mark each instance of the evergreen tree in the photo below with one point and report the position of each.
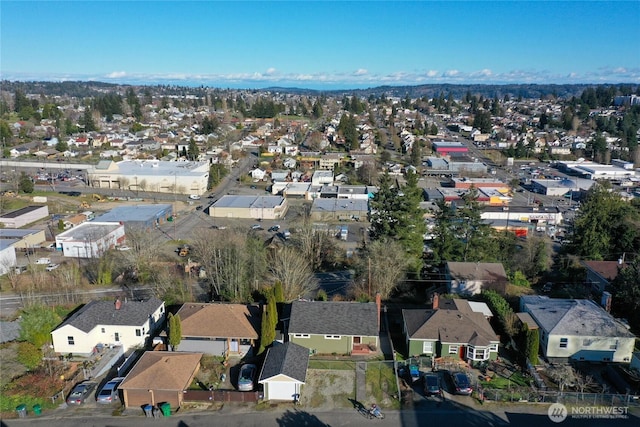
(175, 331)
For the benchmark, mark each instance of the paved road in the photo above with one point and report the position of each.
(519, 415)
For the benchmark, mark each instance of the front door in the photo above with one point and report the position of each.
(356, 340)
(234, 346)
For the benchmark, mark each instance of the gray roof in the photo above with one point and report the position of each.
(136, 213)
(22, 211)
(131, 313)
(10, 331)
(258, 202)
(448, 324)
(339, 205)
(573, 317)
(333, 318)
(288, 359)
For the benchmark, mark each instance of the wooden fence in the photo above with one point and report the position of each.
(220, 396)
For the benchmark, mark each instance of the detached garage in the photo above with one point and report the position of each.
(284, 371)
(160, 377)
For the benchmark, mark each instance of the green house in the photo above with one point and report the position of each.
(328, 327)
(451, 328)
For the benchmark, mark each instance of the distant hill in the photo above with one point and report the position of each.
(83, 89)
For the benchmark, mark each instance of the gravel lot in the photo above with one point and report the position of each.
(326, 389)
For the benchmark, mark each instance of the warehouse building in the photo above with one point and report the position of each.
(249, 207)
(151, 175)
(139, 216)
(23, 238)
(27, 215)
(90, 239)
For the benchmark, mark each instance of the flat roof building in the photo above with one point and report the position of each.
(90, 239)
(139, 216)
(339, 210)
(27, 215)
(151, 175)
(249, 207)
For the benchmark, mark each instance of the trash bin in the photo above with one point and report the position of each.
(21, 410)
(166, 409)
(37, 409)
(148, 411)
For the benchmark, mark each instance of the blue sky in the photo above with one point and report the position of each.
(324, 44)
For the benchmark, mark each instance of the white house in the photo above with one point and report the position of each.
(284, 371)
(123, 323)
(258, 174)
(90, 239)
(578, 329)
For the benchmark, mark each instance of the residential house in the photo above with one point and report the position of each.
(284, 371)
(578, 329)
(219, 329)
(451, 328)
(601, 273)
(123, 323)
(159, 377)
(335, 327)
(258, 174)
(470, 278)
(279, 175)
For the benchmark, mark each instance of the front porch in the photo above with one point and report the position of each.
(363, 350)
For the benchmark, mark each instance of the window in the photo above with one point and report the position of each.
(301, 336)
(427, 347)
(102, 330)
(332, 337)
(138, 333)
(493, 347)
(453, 349)
(564, 342)
(142, 331)
(71, 341)
(614, 346)
(116, 337)
(477, 353)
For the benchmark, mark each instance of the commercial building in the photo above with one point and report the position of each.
(449, 147)
(90, 239)
(250, 207)
(23, 238)
(138, 216)
(7, 255)
(151, 175)
(339, 210)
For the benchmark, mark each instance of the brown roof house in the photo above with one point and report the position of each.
(601, 273)
(471, 278)
(219, 329)
(451, 328)
(160, 377)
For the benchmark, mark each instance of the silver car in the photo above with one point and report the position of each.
(246, 377)
(109, 392)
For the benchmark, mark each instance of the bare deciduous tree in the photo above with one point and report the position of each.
(563, 375)
(381, 267)
(318, 247)
(584, 381)
(290, 267)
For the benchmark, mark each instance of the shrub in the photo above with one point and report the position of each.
(29, 355)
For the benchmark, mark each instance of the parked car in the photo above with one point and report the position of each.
(461, 383)
(432, 385)
(246, 377)
(123, 248)
(274, 228)
(52, 267)
(194, 197)
(43, 261)
(80, 392)
(256, 227)
(109, 392)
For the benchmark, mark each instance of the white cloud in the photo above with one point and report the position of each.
(451, 73)
(270, 71)
(432, 73)
(361, 72)
(116, 75)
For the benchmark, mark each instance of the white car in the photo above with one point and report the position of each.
(43, 261)
(52, 267)
(194, 197)
(123, 248)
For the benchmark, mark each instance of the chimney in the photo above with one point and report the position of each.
(378, 305)
(118, 304)
(435, 301)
